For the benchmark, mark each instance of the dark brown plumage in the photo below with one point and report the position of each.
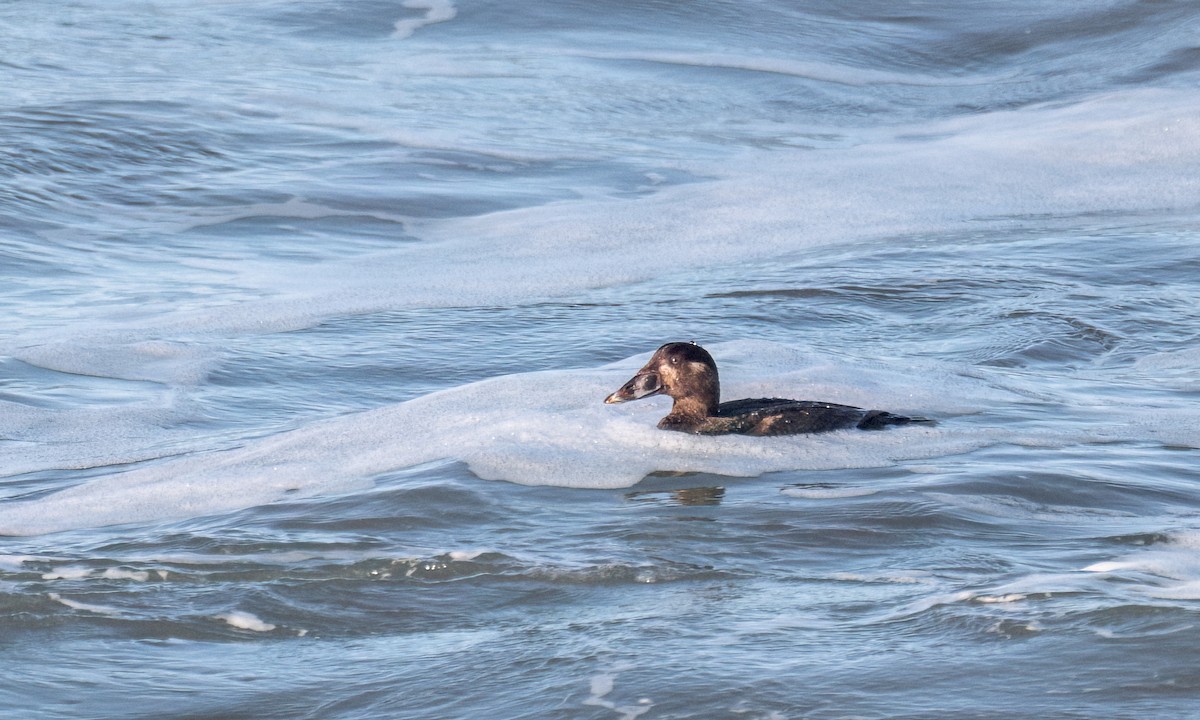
(688, 374)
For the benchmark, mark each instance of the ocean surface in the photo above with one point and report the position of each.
(309, 309)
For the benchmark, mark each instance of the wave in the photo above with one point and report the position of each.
(551, 428)
(1116, 155)
(1123, 153)
(436, 11)
(543, 428)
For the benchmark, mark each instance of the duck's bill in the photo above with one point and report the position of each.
(644, 384)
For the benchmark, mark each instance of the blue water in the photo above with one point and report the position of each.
(310, 309)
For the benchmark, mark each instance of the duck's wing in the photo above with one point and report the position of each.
(734, 408)
(754, 405)
(778, 416)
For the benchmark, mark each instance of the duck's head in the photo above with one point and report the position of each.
(683, 371)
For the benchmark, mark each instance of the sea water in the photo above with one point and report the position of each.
(310, 309)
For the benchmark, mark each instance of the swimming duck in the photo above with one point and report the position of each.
(688, 374)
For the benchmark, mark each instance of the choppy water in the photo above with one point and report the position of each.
(310, 307)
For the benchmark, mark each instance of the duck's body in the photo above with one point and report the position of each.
(688, 374)
(777, 416)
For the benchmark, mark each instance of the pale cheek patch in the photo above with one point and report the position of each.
(648, 384)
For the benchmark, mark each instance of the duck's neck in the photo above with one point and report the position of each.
(699, 402)
(692, 409)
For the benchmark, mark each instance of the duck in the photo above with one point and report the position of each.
(687, 374)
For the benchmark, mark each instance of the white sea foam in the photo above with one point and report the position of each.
(17, 563)
(134, 359)
(85, 607)
(1131, 151)
(1126, 152)
(1019, 508)
(1106, 566)
(508, 428)
(602, 685)
(1176, 427)
(37, 438)
(1187, 360)
(1169, 570)
(245, 621)
(822, 71)
(999, 599)
(910, 577)
(436, 11)
(123, 574)
(72, 572)
(827, 492)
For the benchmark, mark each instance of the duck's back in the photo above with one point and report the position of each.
(778, 416)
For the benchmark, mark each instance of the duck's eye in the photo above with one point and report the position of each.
(674, 359)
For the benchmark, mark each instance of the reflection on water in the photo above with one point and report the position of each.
(681, 496)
